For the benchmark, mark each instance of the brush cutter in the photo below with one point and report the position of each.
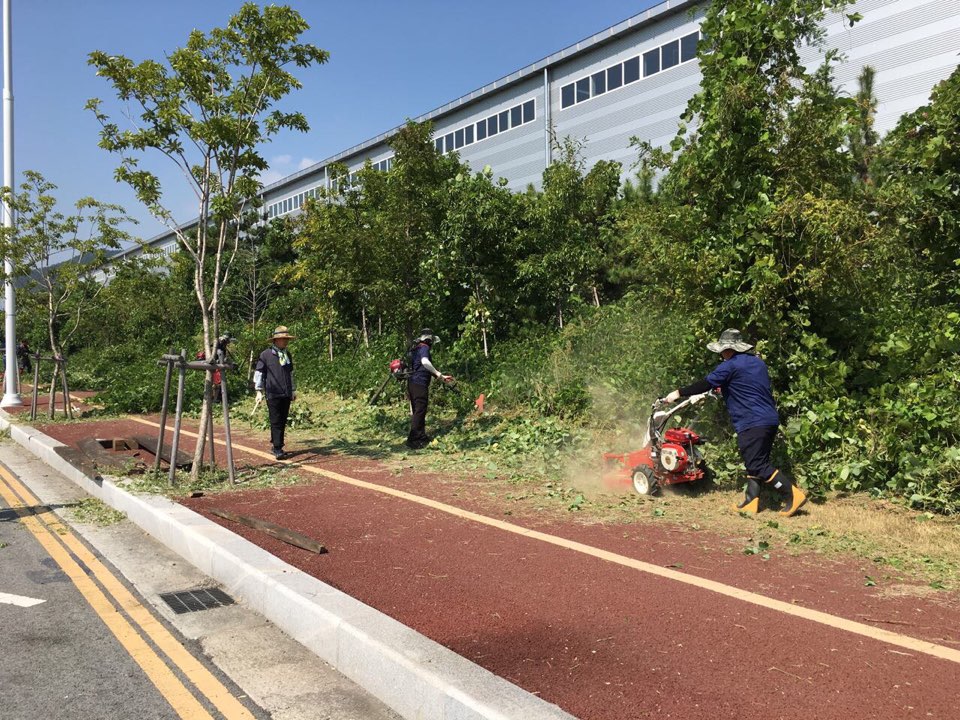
(669, 456)
(401, 372)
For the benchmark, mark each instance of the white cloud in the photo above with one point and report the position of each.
(283, 165)
(271, 176)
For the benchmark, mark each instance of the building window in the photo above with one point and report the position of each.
(631, 70)
(651, 62)
(583, 89)
(448, 142)
(516, 116)
(688, 46)
(614, 77)
(504, 121)
(458, 139)
(529, 111)
(670, 55)
(468, 132)
(439, 144)
(599, 82)
(567, 95)
(481, 130)
(492, 128)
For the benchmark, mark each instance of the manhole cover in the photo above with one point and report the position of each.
(188, 601)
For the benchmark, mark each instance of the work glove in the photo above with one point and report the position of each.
(673, 396)
(447, 378)
(259, 397)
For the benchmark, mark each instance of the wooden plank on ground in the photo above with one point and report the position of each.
(273, 530)
(149, 443)
(80, 461)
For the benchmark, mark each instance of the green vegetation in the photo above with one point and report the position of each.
(92, 511)
(777, 210)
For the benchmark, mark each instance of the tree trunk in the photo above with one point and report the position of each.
(366, 335)
(55, 351)
(483, 320)
(560, 314)
(596, 297)
(330, 339)
(208, 379)
(379, 324)
(205, 418)
(51, 402)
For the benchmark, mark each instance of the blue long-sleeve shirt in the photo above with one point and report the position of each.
(745, 383)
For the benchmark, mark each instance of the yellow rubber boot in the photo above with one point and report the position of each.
(751, 499)
(795, 500)
(748, 506)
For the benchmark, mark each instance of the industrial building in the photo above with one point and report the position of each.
(635, 79)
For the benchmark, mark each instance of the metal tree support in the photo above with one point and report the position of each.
(59, 373)
(167, 376)
(223, 364)
(181, 361)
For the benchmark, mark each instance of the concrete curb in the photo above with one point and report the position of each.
(415, 676)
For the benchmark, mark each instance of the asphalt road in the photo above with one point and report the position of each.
(59, 658)
(87, 638)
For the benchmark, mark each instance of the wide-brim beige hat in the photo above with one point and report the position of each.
(282, 332)
(730, 339)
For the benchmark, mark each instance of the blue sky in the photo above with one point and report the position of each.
(390, 59)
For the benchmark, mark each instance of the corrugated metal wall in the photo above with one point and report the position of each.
(913, 44)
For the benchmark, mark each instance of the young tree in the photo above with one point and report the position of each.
(482, 222)
(208, 109)
(57, 256)
(863, 136)
(562, 251)
(336, 245)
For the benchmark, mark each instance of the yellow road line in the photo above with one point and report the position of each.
(839, 623)
(173, 691)
(195, 672)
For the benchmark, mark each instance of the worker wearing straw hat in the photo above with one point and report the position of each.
(274, 379)
(743, 379)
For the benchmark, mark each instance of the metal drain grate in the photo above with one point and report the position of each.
(188, 601)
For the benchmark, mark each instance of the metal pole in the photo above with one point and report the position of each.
(213, 456)
(52, 410)
(11, 395)
(35, 395)
(175, 443)
(163, 413)
(226, 425)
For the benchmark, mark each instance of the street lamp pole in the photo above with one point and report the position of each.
(11, 394)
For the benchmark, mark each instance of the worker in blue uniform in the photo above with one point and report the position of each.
(744, 380)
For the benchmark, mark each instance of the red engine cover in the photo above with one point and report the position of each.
(396, 366)
(683, 436)
(674, 458)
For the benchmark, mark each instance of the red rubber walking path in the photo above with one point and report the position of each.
(597, 632)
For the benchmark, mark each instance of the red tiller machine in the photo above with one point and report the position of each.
(668, 456)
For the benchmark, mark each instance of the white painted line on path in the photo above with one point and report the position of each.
(19, 600)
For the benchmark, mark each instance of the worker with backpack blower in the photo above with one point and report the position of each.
(422, 372)
(743, 379)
